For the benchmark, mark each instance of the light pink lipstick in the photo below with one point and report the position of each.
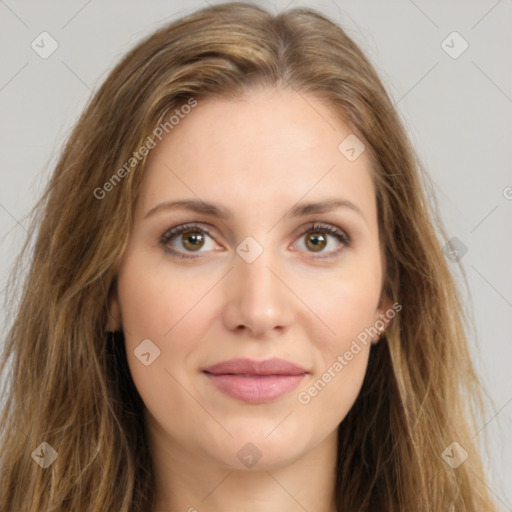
(255, 381)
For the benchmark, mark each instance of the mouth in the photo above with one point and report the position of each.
(255, 382)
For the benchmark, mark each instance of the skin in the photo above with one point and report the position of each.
(257, 156)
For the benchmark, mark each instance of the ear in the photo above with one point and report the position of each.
(383, 317)
(114, 312)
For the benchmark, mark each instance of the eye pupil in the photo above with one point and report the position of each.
(192, 240)
(316, 241)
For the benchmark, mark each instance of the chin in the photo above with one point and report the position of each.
(255, 450)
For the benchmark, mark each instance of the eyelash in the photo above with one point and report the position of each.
(192, 227)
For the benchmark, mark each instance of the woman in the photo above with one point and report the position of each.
(237, 299)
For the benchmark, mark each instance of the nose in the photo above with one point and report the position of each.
(257, 300)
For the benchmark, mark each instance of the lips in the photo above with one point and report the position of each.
(254, 381)
(273, 366)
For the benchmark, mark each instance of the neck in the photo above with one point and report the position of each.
(187, 481)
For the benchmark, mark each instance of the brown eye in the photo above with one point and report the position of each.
(192, 240)
(316, 241)
(186, 239)
(326, 240)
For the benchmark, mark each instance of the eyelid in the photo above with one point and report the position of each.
(183, 228)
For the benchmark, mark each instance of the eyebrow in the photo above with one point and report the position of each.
(221, 212)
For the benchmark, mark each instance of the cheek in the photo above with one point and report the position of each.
(344, 303)
(157, 307)
(330, 395)
(342, 353)
(153, 309)
(351, 311)
(172, 308)
(154, 302)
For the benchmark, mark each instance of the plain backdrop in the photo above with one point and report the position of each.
(456, 105)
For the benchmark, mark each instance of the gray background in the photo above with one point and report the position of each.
(457, 112)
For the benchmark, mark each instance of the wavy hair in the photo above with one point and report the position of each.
(67, 380)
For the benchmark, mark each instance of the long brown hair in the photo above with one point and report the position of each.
(69, 384)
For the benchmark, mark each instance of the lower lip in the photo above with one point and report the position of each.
(255, 389)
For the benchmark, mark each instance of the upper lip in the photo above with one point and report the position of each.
(273, 366)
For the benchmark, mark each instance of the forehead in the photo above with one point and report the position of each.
(270, 147)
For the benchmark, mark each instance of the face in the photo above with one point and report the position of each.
(254, 238)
